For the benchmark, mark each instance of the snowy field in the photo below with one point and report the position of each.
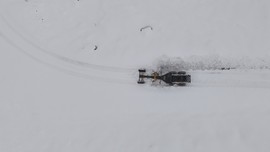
(69, 72)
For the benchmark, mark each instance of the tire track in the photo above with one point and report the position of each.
(66, 59)
(70, 69)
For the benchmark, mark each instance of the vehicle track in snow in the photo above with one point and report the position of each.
(61, 57)
(62, 63)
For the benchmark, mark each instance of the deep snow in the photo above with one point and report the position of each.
(68, 75)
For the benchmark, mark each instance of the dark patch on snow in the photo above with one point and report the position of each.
(96, 47)
(146, 27)
(214, 62)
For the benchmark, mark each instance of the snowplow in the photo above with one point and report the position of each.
(172, 78)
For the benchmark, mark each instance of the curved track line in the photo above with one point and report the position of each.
(86, 66)
(67, 71)
(66, 59)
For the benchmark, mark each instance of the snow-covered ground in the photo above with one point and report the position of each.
(69, 72)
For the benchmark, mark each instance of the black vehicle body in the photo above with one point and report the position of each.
(171, 78)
